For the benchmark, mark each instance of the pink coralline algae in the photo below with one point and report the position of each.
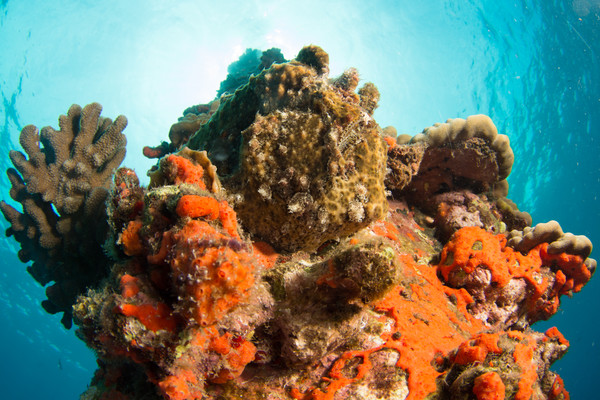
(287, 247)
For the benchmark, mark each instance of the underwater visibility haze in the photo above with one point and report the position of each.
(532, 66)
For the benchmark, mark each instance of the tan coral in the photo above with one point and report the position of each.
(187, 125)
(87, 148)
(62, 185)
(460, 154)
(550, 232)
(475, 126)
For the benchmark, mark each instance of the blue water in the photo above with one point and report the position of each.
(533, 66)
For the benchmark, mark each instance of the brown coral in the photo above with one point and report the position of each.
(461, 154)
(302, 158)
(62, 184)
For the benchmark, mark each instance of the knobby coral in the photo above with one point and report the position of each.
(62, 184)
(302, 153)
(264, 260)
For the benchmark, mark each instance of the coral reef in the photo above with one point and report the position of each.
(287, 247)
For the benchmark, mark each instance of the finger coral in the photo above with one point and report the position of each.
(287, 247)
(62, 184)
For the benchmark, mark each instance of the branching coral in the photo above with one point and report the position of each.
(62, 184)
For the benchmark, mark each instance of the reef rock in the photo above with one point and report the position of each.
(429, 293)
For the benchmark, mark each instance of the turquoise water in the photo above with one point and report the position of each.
(533, 66)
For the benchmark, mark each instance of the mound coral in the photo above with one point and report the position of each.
(302, 155)
(324, 289)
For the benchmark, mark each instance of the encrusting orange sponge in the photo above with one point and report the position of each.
(185, 171)
(153, 317)
(129, 286)
(198, 206)
(180, 386)
(489, 386)
(130, 238)
(182, 281)
(548, 275)
(226, 274)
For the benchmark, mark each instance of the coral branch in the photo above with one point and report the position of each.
(62, 184)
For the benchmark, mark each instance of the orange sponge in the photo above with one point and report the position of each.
(154, 318)
(489, 386)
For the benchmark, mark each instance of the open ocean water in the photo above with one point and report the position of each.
(533, 66)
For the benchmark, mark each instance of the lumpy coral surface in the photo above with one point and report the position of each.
(287, 247)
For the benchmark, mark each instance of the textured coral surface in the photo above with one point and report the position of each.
(287, 247)
(62, 185)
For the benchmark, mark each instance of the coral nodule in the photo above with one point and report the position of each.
(287, 247)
